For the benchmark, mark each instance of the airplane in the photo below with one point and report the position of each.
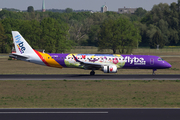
(108, 63)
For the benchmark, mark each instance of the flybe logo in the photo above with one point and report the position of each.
(20, 44)
(135, 60)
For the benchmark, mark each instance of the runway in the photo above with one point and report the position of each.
(90, 114)
(88, 77)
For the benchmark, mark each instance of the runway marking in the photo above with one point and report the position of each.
(53, 112)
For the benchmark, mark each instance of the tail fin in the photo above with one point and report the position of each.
(21, 46)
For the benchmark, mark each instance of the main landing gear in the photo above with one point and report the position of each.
(154, 72)
(92, 72)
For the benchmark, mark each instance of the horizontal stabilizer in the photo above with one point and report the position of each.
(17, 56)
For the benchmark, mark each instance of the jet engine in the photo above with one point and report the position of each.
(109, 69)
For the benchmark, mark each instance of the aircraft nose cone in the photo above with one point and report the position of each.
(168, 65)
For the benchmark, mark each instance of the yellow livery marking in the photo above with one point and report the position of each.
(117, 55)
(71, 55)
(50, 60)
(93, 57)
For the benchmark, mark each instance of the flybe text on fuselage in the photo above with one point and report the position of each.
(20, 44)
(135, 60)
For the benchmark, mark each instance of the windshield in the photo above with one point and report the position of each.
(160, 59)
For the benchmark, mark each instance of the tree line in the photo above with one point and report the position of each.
(163, 22)
(58, 32)
(49, 34)
(54, 32)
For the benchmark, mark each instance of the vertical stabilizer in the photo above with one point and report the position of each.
(21, 46)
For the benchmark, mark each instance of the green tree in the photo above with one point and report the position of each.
(178, 5)
(173, 37)
(93, 35)
(143, 32)
(54, 35)
(119, 35)
(140, 12)
(163, 26)
(30, 9)
(165, 19)
(31, 31)
(63, 43)
(3, 44)
(68, 10)
(173, 6)
(157, 39)
(48, 36)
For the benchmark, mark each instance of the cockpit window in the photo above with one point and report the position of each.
(160, 59)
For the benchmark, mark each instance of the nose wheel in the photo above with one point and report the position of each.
(154, 72)
(92, 73)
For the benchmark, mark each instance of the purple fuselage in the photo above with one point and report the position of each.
(124, 61)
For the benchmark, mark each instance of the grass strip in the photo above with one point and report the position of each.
(90, 94)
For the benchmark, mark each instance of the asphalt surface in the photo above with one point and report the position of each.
(89, 114)
(88, 77)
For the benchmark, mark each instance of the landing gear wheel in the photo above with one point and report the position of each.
(154, 72)
(92, 73)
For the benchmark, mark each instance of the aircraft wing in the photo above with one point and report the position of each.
(14, 55)
(89, 65)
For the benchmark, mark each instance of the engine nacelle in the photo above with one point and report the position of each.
(110, 69)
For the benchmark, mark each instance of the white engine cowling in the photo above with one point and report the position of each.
(110, 69)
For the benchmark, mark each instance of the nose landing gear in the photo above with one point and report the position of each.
(154, 72)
